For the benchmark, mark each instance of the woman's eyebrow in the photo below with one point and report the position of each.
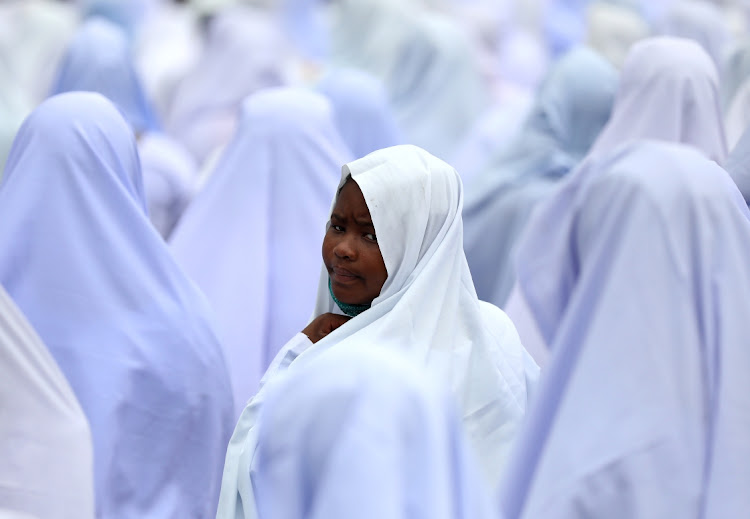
(362, 222)
(338, 217)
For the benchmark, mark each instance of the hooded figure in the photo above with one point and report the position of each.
(128, 329)
(643, 408)
(395, 238)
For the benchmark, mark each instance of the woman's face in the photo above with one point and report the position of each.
(350, 249)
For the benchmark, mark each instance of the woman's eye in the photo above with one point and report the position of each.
(337, 228)
(371, 237)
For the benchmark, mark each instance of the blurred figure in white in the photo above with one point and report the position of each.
(365, 433)
(738, 165)
(426, 62)
(248, 238)
(701, 21)
(99, 59)
(363, 114)
(245, 51)
(15, 104)
(735, 72)
(45, 443)
(643, 410)
(669, 91)
(33, 37)
(612, 29)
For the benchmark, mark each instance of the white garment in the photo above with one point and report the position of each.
(612, 29)
(366, 434)
(738, 115)
(244, 52)
(701, 21)
(45, 443)
(427, 309)
(643, 409)
(249, 237)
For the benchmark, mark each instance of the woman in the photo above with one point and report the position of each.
(365, 433)
(571, 109)
(395, 274)
(669, 91)
(45, 441)
(128, 329)
(246, 238)
(643, 408)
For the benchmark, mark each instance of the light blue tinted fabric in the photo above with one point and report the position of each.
(643, 408)
(701, 21)
(362, 111)
(364, 433)
(738, 165)
(99, 60)
(251, 238)
(572, 106)
(130, 332)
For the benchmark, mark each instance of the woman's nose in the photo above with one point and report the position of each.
(345, 248)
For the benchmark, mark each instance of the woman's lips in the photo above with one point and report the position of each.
(341, 275)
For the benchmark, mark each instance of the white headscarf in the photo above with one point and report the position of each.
(427, 309)
(249, 239)
(643, 411)
(738, 165)
(363, 433)
(129, 330)
(244, 52)
(669, 92)
(701, 21)
(45, 442)
(612, 29)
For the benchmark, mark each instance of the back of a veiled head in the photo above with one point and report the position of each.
(363, 433)
(669, 91)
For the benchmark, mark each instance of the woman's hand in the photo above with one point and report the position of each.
(323, 325)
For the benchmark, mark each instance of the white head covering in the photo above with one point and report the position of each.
(362, 111)
(735, 72)
(738, 165)
(245, 51)
(249, 238)
(99, 59)
(363, 433)
(669, 92)
(701, 21)
(612, 29)
(738, 114)
(80, 258)
(643, 411)
(571, 108)
(427, 309)
(45, 442)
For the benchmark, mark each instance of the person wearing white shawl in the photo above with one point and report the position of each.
(643, 409)
(244, 52)
(45, 441)
(131, 333)
(669, 91)
(248, 238)
(611, 29)
(393, 258)
(738, 165)
(362, 111)
(99, 59)
(572, 106)
(701, 21)
(365, 433)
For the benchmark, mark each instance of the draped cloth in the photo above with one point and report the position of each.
(249, 237)
(128, 329)
(427, 309)
(572, 106)
(365, 433)
(738, 165)
(45, 442)
(648, 349)
(669, 91)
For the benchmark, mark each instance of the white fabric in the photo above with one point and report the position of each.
(643, 409)
(170, 177)
(427, 309)
(244, 52)
(364, 434)
(130, 332)
(738, 115)
(249, 237)
(45, 443)
(735, 72)
(668, 91)
(701, 21)
(612, 29)
(738, 165)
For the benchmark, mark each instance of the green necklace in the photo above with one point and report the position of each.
(350, 310)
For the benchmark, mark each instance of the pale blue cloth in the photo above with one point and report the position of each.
(643, 410)
(572, 106)
(362, 111)
(364, 433)
(99, 59)
(130, 332)
(738, 165)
